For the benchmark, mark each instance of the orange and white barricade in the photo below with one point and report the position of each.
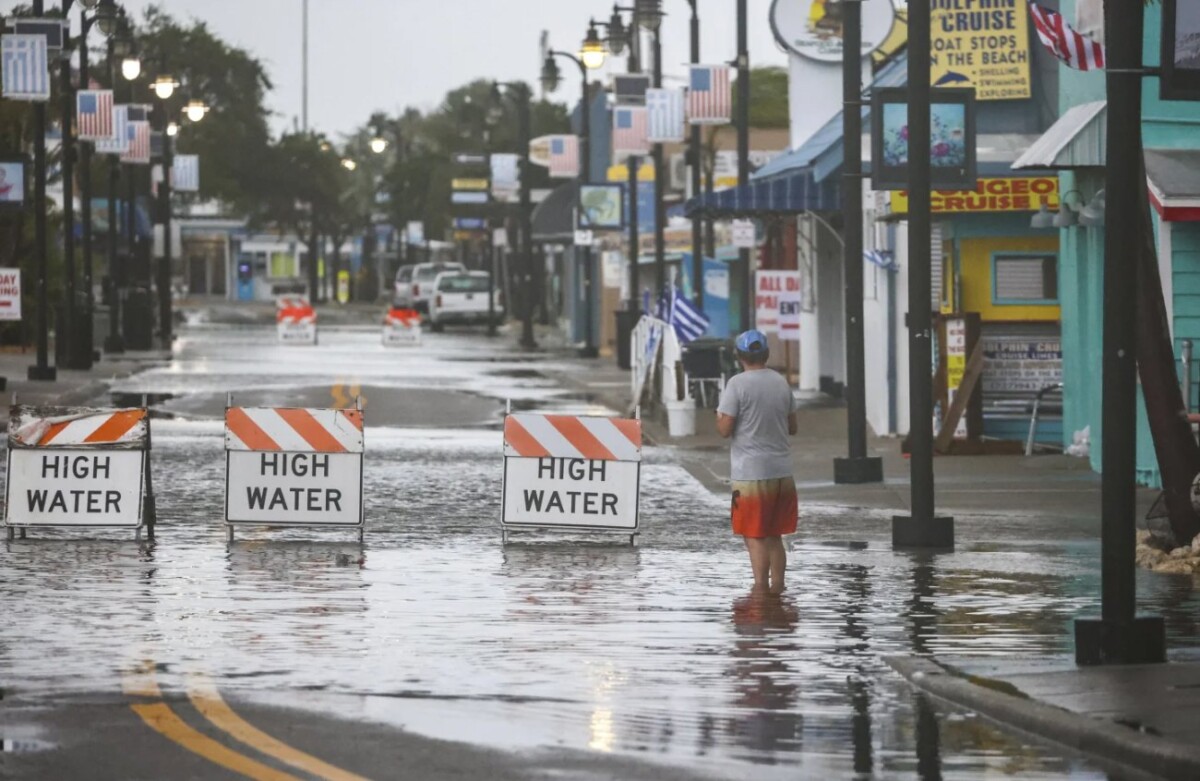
(295, 320)
(571, 472)
(293, 467)
(401, 328)
(78, 467)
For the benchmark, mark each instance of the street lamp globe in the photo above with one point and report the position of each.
(551, 77)
(616, 32)
(131, 68)
(649, 13)
(379, 145)
(164, 87)
(172, 129)
(592, 52)
(195, 110)
(349, 164)
(106, 16)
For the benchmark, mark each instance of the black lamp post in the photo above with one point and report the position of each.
(649, 14)
(591, 56)
(694, 155)
(42, 370)
(519, 91)
(620, 36)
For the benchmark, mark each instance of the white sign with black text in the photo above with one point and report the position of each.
(86, 487)
(547, 492)
(294, 488)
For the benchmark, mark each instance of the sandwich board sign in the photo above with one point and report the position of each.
(295, 320)
(77, 467)
(402, 328)
(571, 472)
(293, 467)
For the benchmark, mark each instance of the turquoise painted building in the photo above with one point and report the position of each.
(1076, 147)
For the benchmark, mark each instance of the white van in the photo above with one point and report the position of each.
(462, 297)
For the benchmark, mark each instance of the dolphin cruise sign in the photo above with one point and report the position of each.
(982, 44)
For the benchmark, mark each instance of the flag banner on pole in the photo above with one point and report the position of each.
(26, 67)
(564, 157)
(710, 96)
(139, 143)
(1074, 48)
(689, 322)
(629, 131)
(118, 143)
(629, 89)
(138, 112)
(94, 114)
(664, 108)
(185, 173)
(506, 177)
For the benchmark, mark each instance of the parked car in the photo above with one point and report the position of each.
(461, 297)
(423, 278)
(402, 290)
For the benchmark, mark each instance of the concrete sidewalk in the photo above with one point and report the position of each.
(71, 387)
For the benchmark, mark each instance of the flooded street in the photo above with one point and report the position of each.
(553, 642)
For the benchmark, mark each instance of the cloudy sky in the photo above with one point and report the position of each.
(387, 54)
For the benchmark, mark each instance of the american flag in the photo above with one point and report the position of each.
(709, 99)
(119, 142)
(94, 114)
(1075, 49)
(629, 131)
(139, 143)
(664, 108)
(185, 173)
(564, 157)
(26, 68)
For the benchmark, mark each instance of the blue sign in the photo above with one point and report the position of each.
(645, 196)
(470, 223)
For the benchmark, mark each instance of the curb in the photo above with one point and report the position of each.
(1106, 741)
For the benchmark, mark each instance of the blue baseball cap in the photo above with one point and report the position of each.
(752, 341)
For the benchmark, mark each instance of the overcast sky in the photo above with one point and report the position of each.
(388, 54)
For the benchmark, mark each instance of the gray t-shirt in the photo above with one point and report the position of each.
(761, 400)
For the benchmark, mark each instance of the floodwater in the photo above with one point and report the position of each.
(658, 650)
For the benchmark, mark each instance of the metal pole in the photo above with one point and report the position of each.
(694, 153)
(42, 370)
(857, 468)
(633, 163)
(314, 252)
(743, 125)
(114, 343)
(710, 231)
(490, 248)
(526, 219)
(84, 351)
(165, 313)
(65, 338)
(921, 529)
(660, 186)
(585, 173)
(304, 68)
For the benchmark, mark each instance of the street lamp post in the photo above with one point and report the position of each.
(42, 370)
(520, 93)
(619, 36)
(164, 88)
(743, 141)
(648, 13)
(694, 154)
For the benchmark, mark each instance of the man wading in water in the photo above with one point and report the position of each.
(758, 410)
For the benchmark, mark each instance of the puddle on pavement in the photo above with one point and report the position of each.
(657, 650)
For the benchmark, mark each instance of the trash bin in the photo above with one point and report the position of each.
(137, 315)
(626, 320)
(681, 418)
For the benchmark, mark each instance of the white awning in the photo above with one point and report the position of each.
(1076, 140)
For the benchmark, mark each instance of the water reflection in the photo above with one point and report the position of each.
(929, 740)
(765, 684)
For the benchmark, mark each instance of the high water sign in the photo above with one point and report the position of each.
(982, 44)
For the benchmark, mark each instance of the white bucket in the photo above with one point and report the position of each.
(681, 418)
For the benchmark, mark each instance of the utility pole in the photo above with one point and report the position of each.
(694, 154)
(858, 467)
(922, 529)
(82, 358)
(585, 175)
(42, 370)
(526, 217)
(743, 125)
(65, 325)
(304, 67)
(1119, 635)
(165, 308)
(660, 186)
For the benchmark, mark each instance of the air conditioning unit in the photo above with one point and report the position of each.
(678, 173)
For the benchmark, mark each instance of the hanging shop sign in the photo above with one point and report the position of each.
(601, 206)
(813, 28)
(951, 139)
(981, 44)
(1015, 194)
(1180, 50)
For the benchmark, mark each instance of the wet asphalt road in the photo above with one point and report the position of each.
(432, 651)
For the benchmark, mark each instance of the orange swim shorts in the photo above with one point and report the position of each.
(765, 508)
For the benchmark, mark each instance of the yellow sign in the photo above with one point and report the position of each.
(1019, 194)
(620, 173)
(469, 184)
(982, 44)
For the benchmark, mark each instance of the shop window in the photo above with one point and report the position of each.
(283, 265)
(1024, 278)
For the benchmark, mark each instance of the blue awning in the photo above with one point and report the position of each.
(779, 196)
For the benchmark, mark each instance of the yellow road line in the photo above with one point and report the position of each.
(160, 718)
(208, 701)
(139, 682)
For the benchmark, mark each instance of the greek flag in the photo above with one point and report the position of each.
(688, 321)
(665, 110)
(26, 67)
(185, 173)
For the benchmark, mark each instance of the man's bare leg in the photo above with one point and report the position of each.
(777, 555)
(760, 561)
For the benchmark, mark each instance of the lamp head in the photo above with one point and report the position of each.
(172, 129)
(616, 32)
(164, 87)
(1092, 215)
(1043, 219)
(131, 67)
(89, 4)
(551, 77)
(379, 144)
(105, 15)
(649, 14)
(195, 110)
(349, 164)
(1066, 216)
(592, 52)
